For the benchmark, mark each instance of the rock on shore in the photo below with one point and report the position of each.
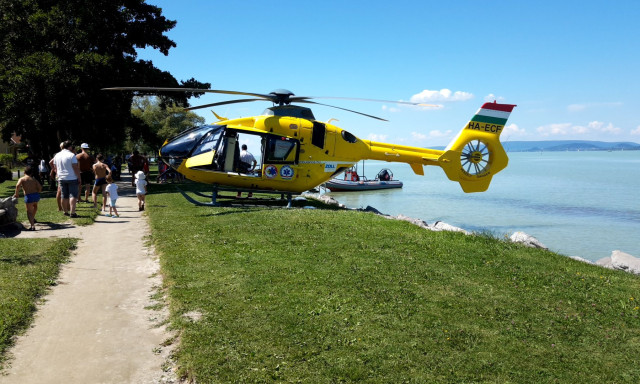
(621, 261)
(526, 239)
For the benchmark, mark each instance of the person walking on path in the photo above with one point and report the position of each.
(85, 161)
(31, 189)
(66, 166)
(141, 189)
(111, 193)
(101, 171)
(43, 171)
(53, 176)
(136, 163)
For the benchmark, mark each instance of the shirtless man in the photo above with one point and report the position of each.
(31, 189)
(101, 171)
(85, 161)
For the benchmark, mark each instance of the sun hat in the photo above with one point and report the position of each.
(84, 145)
(140, 175)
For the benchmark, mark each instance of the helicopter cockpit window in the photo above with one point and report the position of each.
(281, 150)
(183, 144)
(209, 142)
(348, 137)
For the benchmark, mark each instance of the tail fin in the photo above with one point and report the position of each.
(475, 155)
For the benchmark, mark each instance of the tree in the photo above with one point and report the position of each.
(55, 57)
(162, 122)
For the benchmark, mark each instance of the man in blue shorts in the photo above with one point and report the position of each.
(101, 171)
(68, 170)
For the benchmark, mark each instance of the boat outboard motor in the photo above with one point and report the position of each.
(384, 175)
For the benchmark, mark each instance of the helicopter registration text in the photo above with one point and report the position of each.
(486, 127)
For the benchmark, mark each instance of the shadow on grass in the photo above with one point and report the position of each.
(14, 229)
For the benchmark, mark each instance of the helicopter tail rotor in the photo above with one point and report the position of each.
(476, 154)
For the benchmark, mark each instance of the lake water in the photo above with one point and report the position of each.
(583, 204)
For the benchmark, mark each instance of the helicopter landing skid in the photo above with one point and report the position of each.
(214, 196)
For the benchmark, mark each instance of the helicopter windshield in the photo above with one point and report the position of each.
(209, 141)
(182, 145)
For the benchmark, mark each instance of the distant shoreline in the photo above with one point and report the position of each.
(569, 146)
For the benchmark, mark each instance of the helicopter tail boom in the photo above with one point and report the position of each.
(471, 159)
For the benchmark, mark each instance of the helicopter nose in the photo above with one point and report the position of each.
(172, 155)
(176, 150)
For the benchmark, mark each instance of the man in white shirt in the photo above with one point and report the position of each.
(247, 158)
(247, 164)
(66, 166)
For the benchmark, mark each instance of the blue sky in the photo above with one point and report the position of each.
(572, 67)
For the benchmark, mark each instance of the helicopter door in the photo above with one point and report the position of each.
(230, 154)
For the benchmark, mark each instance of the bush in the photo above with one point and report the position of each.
(6, 159)
(22, 157)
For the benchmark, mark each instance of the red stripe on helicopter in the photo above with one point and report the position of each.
(499, 107)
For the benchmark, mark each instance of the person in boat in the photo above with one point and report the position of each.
(351, 175)
(384, 175)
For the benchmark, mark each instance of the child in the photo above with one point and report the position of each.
(111, 191)
(141, 189)
(31, 189)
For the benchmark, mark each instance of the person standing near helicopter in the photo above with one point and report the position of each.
(247, 161)
(247, 164)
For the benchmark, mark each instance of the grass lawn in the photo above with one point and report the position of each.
(27, 268)
(48, 208)
(297, 295)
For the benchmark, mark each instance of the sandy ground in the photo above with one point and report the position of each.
(95, 325)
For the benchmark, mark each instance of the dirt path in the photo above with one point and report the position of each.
(95, 326)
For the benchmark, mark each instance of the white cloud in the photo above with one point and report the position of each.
(428, 96)
(390, 109)
(512, 129)
(564, 129)
(599, 126)
(377, 137)
(636, 131)
(438, 134)
(554, 129)
(491, 98)
(580, 130)
(418, 136)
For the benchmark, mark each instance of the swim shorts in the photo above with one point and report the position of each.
(32, 198)
(100, 181)
(113, 203)
(69, 188)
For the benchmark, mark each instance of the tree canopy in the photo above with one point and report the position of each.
(161, 122)
(56, 55)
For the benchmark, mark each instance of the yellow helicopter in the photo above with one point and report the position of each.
(298, 153)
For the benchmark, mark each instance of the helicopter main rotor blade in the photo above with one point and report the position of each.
(361, 99)
(344, 109)
(222, 103)
(198, 90)
(279, 96)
